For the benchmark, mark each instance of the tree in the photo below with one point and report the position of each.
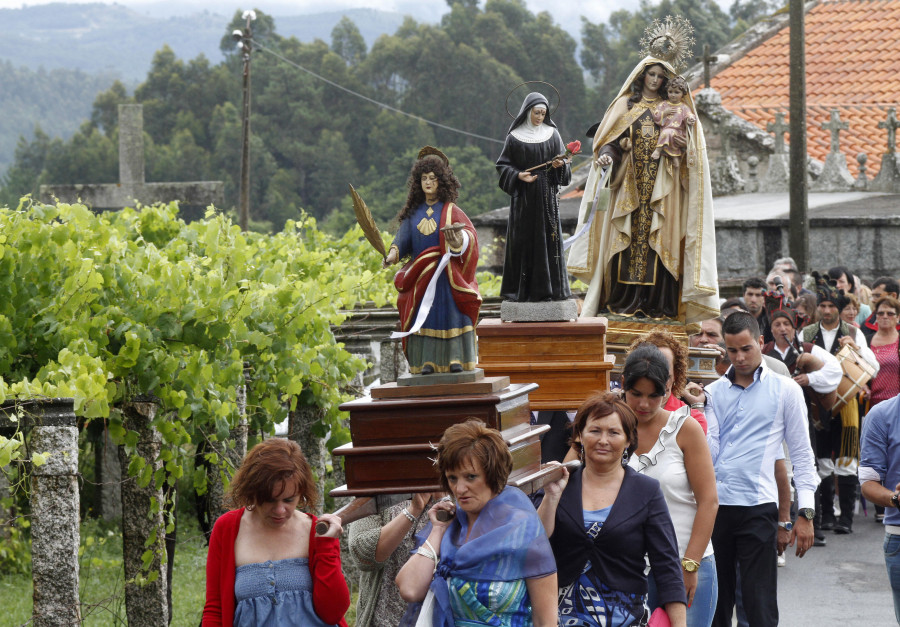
(347, 42)
(105, 111)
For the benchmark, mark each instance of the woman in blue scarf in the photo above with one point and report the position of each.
(491, 564)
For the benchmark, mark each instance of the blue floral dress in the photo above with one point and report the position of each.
(588, 602)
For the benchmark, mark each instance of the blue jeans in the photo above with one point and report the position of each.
(702, 610)
(892, 561)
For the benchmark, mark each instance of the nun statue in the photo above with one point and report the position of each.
(534, 268)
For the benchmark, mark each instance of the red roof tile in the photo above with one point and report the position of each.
(850, 50)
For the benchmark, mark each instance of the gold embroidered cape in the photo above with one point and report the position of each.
(682, 230)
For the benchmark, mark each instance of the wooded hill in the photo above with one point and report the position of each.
(311, 138)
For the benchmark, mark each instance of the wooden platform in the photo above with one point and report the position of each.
(487, 385)
(393, 439)
(566, 359)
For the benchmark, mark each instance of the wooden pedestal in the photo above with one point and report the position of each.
(392, 438)
(566, 359)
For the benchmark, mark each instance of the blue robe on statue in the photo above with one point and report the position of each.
(448, 335)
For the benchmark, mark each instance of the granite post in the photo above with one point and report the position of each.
(301, 431)
(393, 361)
(230, 454)
(55, 515)
(110, 478)
(143, 527)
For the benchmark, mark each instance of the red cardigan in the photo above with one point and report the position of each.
(331, 597)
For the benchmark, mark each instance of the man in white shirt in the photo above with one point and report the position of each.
(837, 440)
(753, 411)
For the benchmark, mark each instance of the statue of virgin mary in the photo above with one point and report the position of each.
(650, 250)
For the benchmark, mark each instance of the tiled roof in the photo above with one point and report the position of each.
(851, 47)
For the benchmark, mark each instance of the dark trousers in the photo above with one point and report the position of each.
(747, 536)
(554, 443)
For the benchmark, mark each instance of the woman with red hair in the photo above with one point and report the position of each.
(266, 563)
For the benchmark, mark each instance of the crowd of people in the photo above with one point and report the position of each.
(685, 498)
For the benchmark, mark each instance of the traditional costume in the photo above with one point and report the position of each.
(533, 268)
(837, 440)
(446, 336)
(651, 250)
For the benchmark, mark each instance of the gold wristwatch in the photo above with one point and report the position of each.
(689, 565)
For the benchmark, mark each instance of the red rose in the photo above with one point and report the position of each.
(574, 147)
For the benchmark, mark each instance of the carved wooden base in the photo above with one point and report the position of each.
(701, 361)
(392, 438)
(623, 330)
(566, 359)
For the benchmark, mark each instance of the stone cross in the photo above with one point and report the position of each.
(835, 126)
(779, 128)
(707, 60)
(132, 185)
(891, 124)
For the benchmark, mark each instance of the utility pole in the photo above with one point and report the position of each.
(799, 219)
(245, 43)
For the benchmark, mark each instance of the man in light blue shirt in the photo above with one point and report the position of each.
(750, 412)
(879, 474)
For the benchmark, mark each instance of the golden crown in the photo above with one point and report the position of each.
(671, 40)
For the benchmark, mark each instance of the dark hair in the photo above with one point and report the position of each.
(448, 184)
(680, 83)
(836, 272)
(732, 302)
(637, 87)
(756, 283)
(890, 301)
(890, 284)
(851, 300)
(601, 405)
(740, 321)
(661, 338)
(646, 362)
(268, 464)
(475, 442)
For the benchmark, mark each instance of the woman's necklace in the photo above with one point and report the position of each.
(649, 101)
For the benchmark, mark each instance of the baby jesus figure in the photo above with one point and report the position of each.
(673, 116)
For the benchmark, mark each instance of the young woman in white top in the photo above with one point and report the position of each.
(672, 449)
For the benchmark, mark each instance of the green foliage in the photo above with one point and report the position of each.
(309, 138)
(15, 547)
(103, 308)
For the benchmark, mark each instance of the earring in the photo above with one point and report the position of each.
(625, 457)
(581, 454)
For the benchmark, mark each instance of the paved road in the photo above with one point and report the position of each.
(839, 585)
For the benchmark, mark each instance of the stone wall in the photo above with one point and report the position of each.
(870, 247)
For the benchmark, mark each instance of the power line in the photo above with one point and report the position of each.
(260, 46)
